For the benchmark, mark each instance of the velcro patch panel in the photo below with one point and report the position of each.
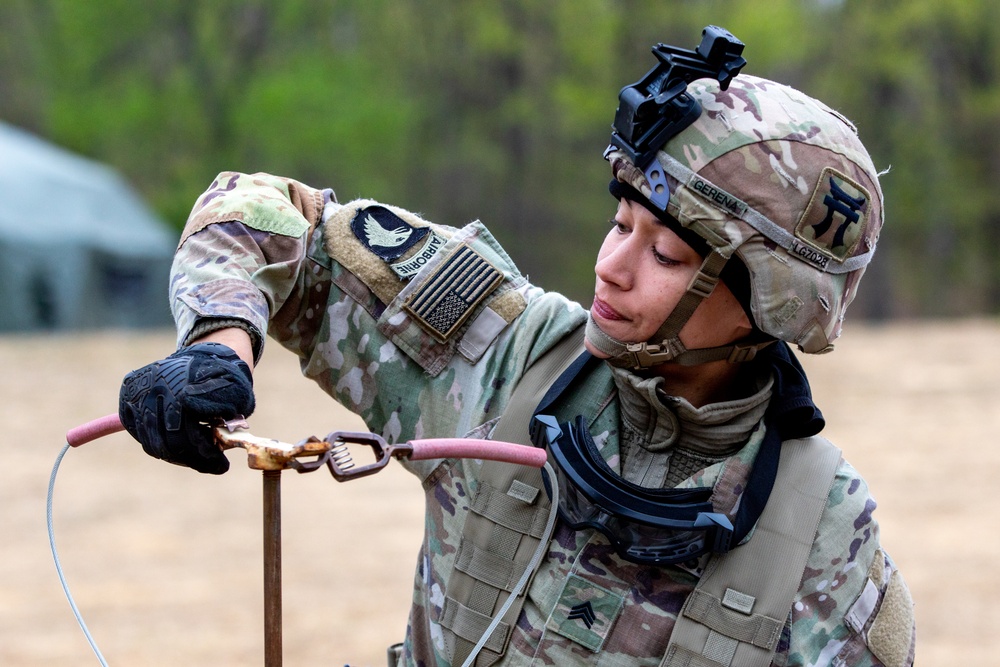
(833, 223)
(453, 292)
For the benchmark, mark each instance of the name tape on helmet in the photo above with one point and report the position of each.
(718, 196)
(826, 231)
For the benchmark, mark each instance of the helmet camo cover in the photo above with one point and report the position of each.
(782, 182)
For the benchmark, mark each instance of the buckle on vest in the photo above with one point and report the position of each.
(719, 530)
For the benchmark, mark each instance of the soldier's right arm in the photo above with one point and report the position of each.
(240, 254)
(226, 277)
(357, 292)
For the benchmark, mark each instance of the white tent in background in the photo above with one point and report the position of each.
(78, 248)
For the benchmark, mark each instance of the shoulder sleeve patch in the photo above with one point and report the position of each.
(460, 302)
(382, 245)
(384, 233)
(434, 290)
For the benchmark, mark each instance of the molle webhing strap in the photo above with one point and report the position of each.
(737, 611)
(505, 527)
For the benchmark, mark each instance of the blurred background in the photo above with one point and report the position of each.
(116, 115)
(500, 111)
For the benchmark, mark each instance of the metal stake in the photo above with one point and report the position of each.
(272, 568)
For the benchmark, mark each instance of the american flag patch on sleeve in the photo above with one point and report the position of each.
(453, 292)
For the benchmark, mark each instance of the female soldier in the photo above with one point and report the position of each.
(701, 520)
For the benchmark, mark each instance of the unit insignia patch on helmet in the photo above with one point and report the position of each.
(832, 222)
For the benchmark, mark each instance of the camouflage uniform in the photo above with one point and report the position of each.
(424, 330)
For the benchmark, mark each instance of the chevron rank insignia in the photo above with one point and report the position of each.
(585, 612)
(385, 233)
(453, 292)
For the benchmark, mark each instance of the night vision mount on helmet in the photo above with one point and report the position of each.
(657, 107)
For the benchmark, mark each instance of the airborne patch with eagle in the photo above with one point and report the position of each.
(435, 291)
(385, 233)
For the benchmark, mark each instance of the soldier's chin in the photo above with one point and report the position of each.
(594, 351)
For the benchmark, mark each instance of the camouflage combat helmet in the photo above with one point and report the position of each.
(778, 181)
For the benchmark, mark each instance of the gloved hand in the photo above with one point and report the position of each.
(166, 404)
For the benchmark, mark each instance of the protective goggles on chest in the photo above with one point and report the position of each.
(644, 525)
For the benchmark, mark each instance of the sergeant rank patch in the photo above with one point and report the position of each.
(385, 233)
(453, 292)
(585, 612)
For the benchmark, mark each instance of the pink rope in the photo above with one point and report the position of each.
(423, 449)
(92, 430)
(493, 450)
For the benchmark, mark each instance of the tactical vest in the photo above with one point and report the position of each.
(739, 607)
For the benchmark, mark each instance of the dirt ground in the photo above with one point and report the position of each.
(165, 564)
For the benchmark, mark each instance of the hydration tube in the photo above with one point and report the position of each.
(55, 556)
(271, 455)
(536, 559)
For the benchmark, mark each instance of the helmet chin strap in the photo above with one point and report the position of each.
(665, 346)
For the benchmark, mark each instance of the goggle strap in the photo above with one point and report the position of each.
(759, 482)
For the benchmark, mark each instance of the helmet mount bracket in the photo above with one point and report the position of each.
(657, 107)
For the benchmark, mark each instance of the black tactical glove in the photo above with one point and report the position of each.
(166, 405)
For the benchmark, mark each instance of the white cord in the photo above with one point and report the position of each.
(528, 571)
(521, 583)
(55, 557)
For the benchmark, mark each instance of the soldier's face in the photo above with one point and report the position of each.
(642, 270)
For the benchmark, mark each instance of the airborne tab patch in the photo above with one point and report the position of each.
(385, 233)
(832, 223)
(407, 268)
(452, 293)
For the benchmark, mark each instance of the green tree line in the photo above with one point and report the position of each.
(500, 110)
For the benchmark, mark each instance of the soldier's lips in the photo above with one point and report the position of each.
(605, 312)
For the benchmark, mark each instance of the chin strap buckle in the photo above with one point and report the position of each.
(644, 355)
(741, 353)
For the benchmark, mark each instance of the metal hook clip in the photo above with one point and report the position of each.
(341, 462)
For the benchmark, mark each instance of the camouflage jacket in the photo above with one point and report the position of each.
(424, 330)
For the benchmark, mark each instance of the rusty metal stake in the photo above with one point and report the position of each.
(272, 568)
